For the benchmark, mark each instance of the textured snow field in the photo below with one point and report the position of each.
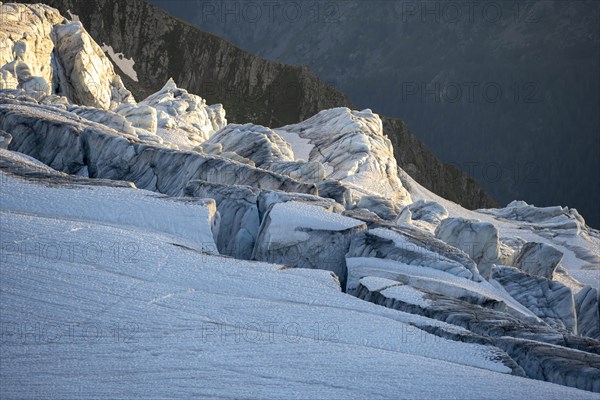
(300, 147)
(93, 309)
(293, 215)
(188, 221)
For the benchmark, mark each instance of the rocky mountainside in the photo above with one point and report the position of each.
(499, 88)
(156, 239)
(446, 180)
(251, 89)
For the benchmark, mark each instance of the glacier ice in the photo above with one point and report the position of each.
(537, 359)
(478, 239)
(429, 212)
(538, 259)
(68, 143)
(86, 76)
(198, 199)
(550, 300)
(254, 142)
(413, 248)
(587, 303)
(352, 145)
(182, 119)
(306, 236)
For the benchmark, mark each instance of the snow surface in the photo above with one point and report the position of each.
(188, 222)
(293, 215)
(125, 64)
(133, 310)
(289, 221)
(300, 146)
(395, 290)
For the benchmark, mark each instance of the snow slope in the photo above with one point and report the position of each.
(189, 221)
(161, 320)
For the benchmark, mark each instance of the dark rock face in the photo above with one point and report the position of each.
(251, 89)
(423, 166)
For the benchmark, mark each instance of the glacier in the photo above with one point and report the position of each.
(153, 249)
